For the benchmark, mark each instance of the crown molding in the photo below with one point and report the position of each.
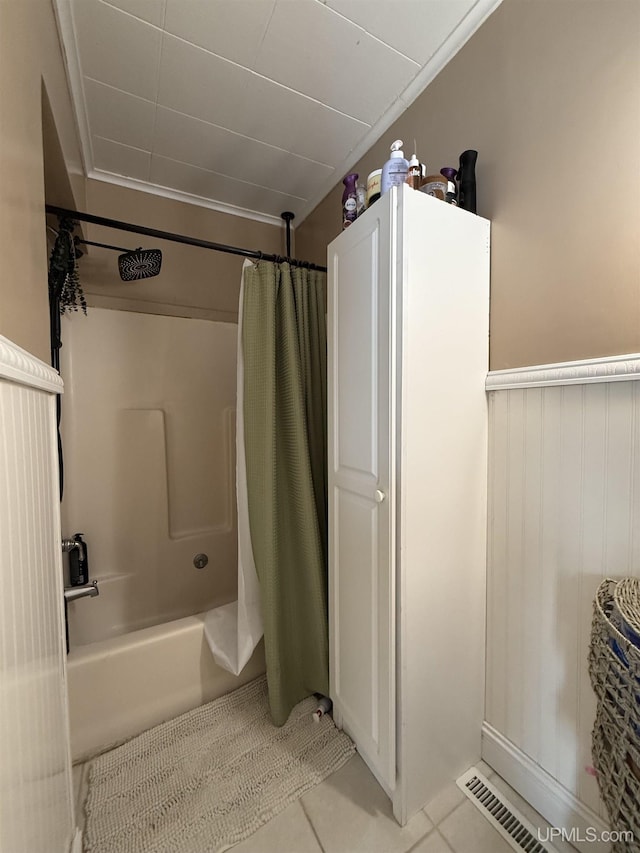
(67, 34)
(187, 198)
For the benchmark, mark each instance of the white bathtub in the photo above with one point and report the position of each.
(122, 686)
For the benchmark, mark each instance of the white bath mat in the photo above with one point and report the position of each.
(209, 778)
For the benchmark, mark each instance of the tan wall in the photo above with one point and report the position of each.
(193, 282)
(30, 58)
(549, 94)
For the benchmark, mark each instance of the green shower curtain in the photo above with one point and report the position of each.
(284, 348)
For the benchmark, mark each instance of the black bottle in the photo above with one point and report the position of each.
(78, 562)
(467, 181)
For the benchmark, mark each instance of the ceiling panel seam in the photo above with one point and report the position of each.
(158, 65)
(245, 136)
(155, 110)
(328, 8)
(224, 175)
(371, 35)
(208, 123)
(118, 89)
(124, 144)
(264, 32)
(246, 68)
(135, 17)
(268, 79)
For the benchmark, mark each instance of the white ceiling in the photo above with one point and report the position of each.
(261, 105)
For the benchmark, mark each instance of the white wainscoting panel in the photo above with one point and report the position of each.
(564, 512)
(36, 806)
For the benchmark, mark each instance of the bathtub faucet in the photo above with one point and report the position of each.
(73, 592)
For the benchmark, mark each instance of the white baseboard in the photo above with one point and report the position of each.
(558, 806)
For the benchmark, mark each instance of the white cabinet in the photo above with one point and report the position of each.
(408, 314)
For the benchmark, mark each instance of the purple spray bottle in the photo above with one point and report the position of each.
(349, 200)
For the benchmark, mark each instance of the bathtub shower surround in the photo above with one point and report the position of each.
(148, 428)
(149, 433)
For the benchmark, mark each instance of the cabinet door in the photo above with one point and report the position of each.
(361, 309)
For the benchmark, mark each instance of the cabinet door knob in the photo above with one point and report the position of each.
(380, 496)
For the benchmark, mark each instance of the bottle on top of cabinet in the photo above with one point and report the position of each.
(414, 174)
(435, 185)
(450, 174)
(361, 199)
(467, 180)
(349, 200)
(373, 186)
(395, 170)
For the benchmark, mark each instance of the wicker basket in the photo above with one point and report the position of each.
(614, 668)
(626, 599)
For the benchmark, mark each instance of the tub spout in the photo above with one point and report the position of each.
(88, 590)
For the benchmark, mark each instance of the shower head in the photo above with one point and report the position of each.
(141, 263)
(132, 265)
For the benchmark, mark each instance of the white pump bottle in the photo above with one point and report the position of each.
(395, 170)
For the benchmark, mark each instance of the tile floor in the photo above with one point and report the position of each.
(350, 813)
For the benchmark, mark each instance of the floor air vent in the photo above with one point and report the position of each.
(510, 823)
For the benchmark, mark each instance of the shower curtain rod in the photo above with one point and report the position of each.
(180, 238)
